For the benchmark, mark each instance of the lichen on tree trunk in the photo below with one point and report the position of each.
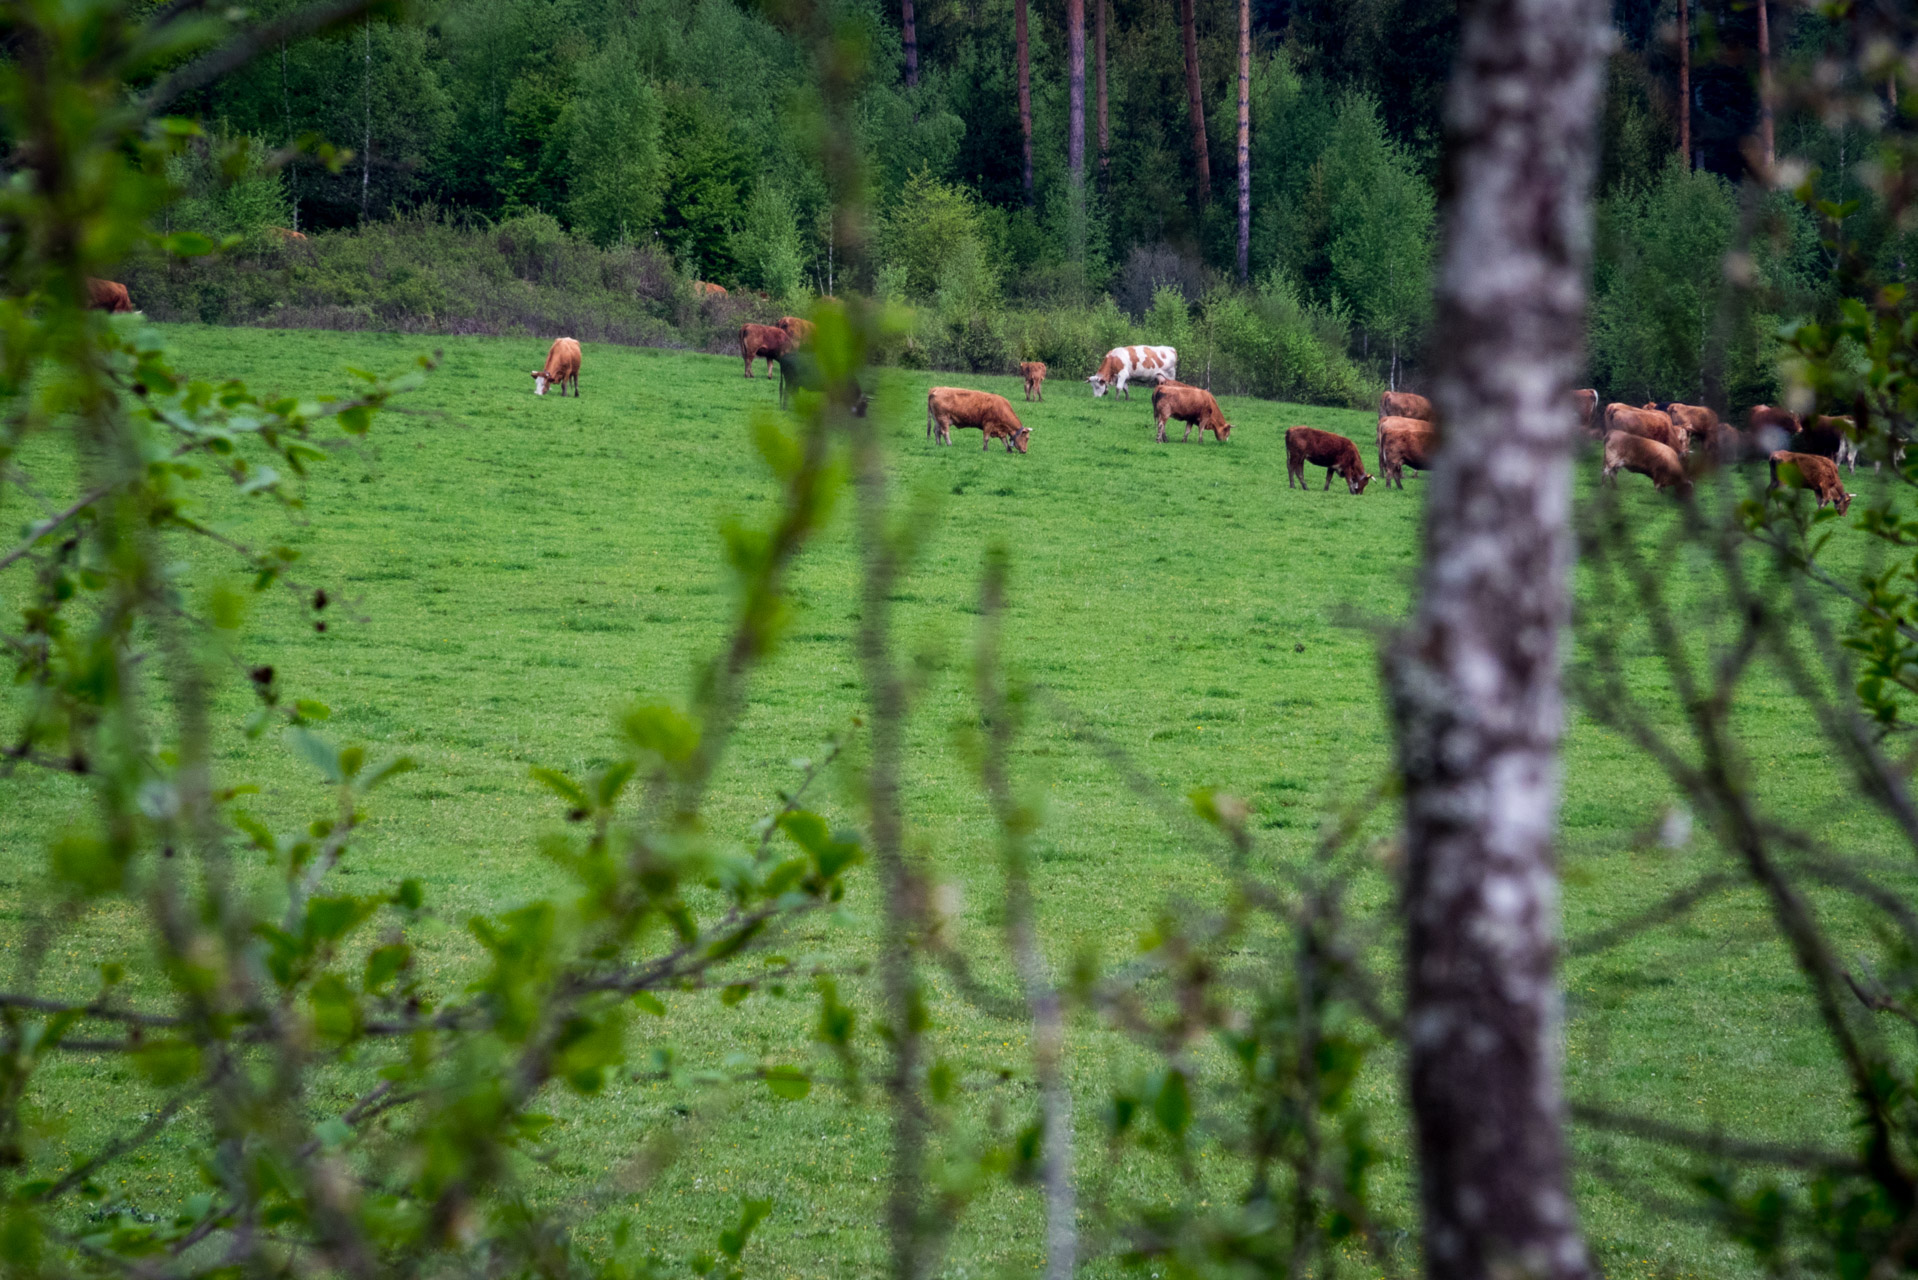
(1475, 678)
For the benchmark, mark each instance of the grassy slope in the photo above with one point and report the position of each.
(528, 566)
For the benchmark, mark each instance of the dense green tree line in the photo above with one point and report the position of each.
(688, 128)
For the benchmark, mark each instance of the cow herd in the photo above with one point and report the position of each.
(1667, 442)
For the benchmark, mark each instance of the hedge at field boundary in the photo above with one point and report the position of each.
(528, 277)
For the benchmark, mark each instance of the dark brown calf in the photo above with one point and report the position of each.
(1323, 449)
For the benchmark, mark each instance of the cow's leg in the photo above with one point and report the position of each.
(1328, 481)
(1161, 430)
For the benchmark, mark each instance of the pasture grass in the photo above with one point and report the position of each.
(513, 573)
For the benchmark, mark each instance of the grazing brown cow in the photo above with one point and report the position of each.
(1627, 452)
(1653, 424)
(1405, 442)
(1696, 420)
(949, 407)
(801, 330)
(1406, 404)
(1193, 406)
(1034, 373)
(1809, 471)
(1323, 449)
(1586, 404)
(756, 340)
(1771, 429)
(562, 366)
(107, 295)
(706, 289)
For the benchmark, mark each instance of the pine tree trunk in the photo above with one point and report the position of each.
(1105, 137)
(1475, 678)
(909, 33)
(1076, 122)
(1245, 140)
(1195, 104)
(1025, 92)
(1767, 144)
(366, 130)
(1076, 90)
(1685, 82)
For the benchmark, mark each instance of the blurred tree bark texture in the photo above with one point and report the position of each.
(1475, 678)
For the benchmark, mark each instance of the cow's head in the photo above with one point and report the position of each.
(1357, 483)
(1224, 433)
(539, 382)
(1098, 385)
(1021, 436)
(1844, 501)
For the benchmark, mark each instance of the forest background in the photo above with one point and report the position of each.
(576, 166)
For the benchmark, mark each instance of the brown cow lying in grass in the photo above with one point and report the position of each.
(949, 407)
(756, 340)
(562, 366)
(1809, 471)
(1406, 404)
(1405, 442)
(1323, 449)
(1034, 373)
(1193, 406)
(1627, 452)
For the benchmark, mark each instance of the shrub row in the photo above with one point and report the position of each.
(528, 276)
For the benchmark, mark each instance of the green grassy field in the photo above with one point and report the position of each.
(518, 570)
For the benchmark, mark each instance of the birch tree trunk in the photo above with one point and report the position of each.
(1195, 104)
(1245, 140)
(909, 33)
(1475, 679)
(1105, 137)
(1685, 82)
(1025, 90)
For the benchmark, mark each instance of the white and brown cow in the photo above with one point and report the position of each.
(1135, 364)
